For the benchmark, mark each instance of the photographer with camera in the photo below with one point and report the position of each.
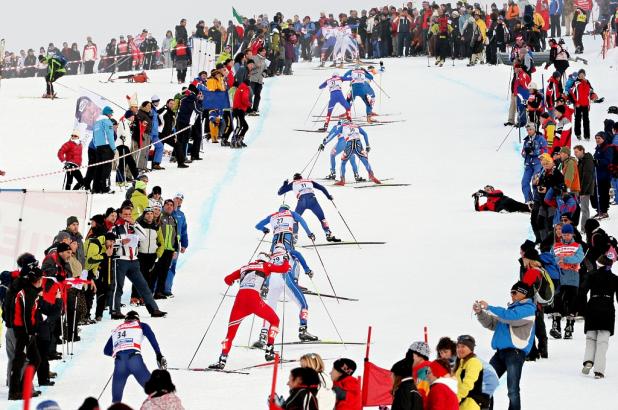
(497, 201)
(542, 217)
(534, 145)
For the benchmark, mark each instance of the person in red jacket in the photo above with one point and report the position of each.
(242, 102)
(497, 201)
(248, 302)
(346, 388)
(443, 391)
(71, 154)
(553, 91)
(580, 94)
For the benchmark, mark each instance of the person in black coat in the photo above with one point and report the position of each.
(188, 106)
(405, 394)
(181, 32)
(600, 314)
(603, 158)
(304, 383)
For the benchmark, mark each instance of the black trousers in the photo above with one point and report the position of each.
(125, 162)
(600, 199)
(554, 22)
(88, 67)
(90, 171)
(257, 95)
(229, 124)
(160, 270)
(196, 136)
(102, 172)
(106, 273)
(182, 138)
(25, 348)
(511, 205)
(146, 266)
(73, 173)
(581, 115)
(43, 370)
(241, 124)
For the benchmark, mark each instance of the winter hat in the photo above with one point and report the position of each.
(581, 71)
(438, 369)
(568, 228)
(128, 114)
(131, 315)
(179, 195)
(531, 125)
(156, 190)
(63, 247)
(62, 236)
(155, 98)
(402, 368)
(89, 404)
(345, 366)
(466, 340)
(98, 219)
(608, 258)
(533, 86)
(71, 220)
(107, 110)
(48, 405)
(193, 87)
(421, 349)
(531, 254)
(140, 185)
(142, 177)
(522, 288)
(565, 150)
(528, 244)
(76, 133)
(109, 211)
(556, 74)
(560, 108)
(31, 274)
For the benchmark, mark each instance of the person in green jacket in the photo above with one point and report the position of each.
(139, 199)
(55, 70)
(168, 239)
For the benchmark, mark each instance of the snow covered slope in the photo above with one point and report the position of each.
(440, 255)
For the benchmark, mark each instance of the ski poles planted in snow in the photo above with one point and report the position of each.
(105, 387)
(505, 137)
(314, 104)
(314, 162)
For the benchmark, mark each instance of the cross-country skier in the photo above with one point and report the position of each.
(248, 302)
(125, 346)
(359, 78)
(282, 223)
(353, 147)
(338, 149)
(336, 97)
(55, 70)
(289, 281)
(303, 188)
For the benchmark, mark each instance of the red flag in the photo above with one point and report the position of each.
(378, 384)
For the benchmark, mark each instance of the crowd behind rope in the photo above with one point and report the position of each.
(568, 275)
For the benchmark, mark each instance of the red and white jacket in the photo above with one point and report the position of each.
(581, 93)
(90, 52)
(253, 275)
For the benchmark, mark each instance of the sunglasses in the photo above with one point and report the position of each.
(513, 292)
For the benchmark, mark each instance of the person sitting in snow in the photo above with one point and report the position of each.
(497, 201)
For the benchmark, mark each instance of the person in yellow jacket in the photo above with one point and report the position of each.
(216, 85)
(479, 39)
(469, 375)
(139, 199)
(168, 239)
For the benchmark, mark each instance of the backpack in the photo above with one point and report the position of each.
(60, 59)
(544, 290)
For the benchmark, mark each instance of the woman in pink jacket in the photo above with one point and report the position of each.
(161, 392)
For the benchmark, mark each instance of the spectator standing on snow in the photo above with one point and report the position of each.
(347, 388)
(405, 394)
(585, 166)
(443, 391)
(513, 329)
(325, 395)
(181, 32)
(70, 153)
(103, 139)
(603, 158)
(469, 376)
(181, 221)
(89, 56)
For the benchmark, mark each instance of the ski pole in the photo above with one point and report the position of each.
(314, 104)
(209, 325)
(253, 316)
(346, 224)
(314, 162)
(310, 159)
(328, 312)
(74, 327)
(105, 387)
(380, 88)
(325, 271)
(285, 285)
(505, 137)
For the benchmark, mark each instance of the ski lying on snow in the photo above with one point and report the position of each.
(378, 185)
(206, 369)
(373, 124)
(349, 183)
(264, 364)
(320, 342)
(343, 243)
(356, 118)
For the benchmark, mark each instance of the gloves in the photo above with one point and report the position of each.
(310, 274)
(277, 401)
(228, 281)
(266, 231)
(312, 237)
(285, 182)
(612, 110)
(161, 362)
(330, 197)
(286, 257)
(321, 147)
(368, 148)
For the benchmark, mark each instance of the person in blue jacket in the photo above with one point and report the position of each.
(359, 78)
(125, 346)
(338, 149)
(603, 158)
(534, 145)
(181, 226)
(334, 84)
(513, 337)
(105, 145)
(555, 13)
(303, 189)
(283, 223)
(154, 133)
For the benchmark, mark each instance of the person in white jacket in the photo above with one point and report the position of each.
(326, 396)
(123, 148)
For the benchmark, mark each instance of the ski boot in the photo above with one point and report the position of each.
(220, 364)
(555, 331)
(370, 119)
(305, 336)
(358, 178)
(568, 329)
(587, 367)
(374, 179)
(261, 342)
(321, 64)
(441, 63)
(598, 375)
(331, 238)
(323, 128)
(341, 182)
(225, 142)
(331, 176)
(269, 356)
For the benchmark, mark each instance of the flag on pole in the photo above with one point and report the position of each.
(377, 386)
(237, 16)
